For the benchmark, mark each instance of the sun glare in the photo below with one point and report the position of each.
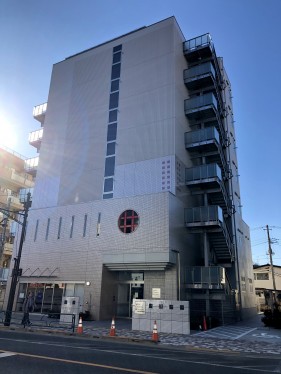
(8, 137)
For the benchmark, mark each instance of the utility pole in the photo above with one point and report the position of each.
(16, 270)
(271, 263)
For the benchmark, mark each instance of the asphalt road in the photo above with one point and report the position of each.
(22, 352)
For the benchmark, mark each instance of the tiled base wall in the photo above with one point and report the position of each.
(171, 316)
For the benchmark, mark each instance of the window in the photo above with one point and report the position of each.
(98, 224)
(117, 48)
(47, 229)
(108, 185)
(110, 150)
(261, 276)
(59, 229)
(36, 230)
(109, 166)
(128, 221)
(111, 132)
(108, 196)
(114, 85)
(116, 57)
(85, 225)
(115, 72)
(112, 115)
(113, 100)
(71, 226)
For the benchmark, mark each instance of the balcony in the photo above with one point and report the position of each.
(39, 112)
(10, 199)
(203, 140)
(210, 218)
(199, 277)
(208, 178)
(8, 249)
(208, 173)
(206, 142)
(12, 179)
(31, 165)
(198, 48)
(200, 76)
(201, 107)
(35, 138)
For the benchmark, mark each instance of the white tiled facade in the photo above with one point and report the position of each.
(73, 235)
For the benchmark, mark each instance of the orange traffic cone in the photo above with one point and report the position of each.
(204, 324)
(155, 333)
(112, 328)
(80, 326)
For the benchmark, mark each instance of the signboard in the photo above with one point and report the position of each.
(139, 306)
(156, 293)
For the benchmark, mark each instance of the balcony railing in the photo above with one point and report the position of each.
(201, 106)
(210, 277)
(193, 138)
(10, 199)
(13, 178)
(31, 165)
(203, 214)
(39, 112)
(35, 137)
(22, 180)
(200, 76)
(198, 42)
(209, 177)
(201, 172)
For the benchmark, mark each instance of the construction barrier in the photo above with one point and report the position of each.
(80, 326)
(155, 337)
(112, 328)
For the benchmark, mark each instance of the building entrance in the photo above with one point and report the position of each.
(130, 287)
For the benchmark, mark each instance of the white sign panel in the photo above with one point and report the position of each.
(139, 306)
(156, 293)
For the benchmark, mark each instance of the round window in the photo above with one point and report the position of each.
(128, 221)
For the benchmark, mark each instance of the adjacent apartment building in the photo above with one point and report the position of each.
(137, 192)
(14, 179)
(267, 283)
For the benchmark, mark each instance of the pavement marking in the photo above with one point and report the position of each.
(81, 363)
(228, 332)
(265, 335)
(6, 354)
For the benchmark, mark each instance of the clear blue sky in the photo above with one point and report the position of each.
(247, 34)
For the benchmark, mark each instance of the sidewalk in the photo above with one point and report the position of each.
(250, 336)
(245, 336)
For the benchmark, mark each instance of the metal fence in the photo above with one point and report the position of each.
(42, 321)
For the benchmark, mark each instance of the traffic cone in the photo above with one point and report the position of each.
(204, 324)
(112, 328)
(80, 326)
(155, 337)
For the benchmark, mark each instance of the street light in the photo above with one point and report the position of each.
(16, 270)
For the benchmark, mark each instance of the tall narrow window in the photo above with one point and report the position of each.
(71, 226)
(85, 225)
(36, 230)
(59, 230)
(47, 229)
(98, 224)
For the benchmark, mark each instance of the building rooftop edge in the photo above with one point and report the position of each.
(116, 38)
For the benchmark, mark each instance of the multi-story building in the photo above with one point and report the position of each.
(137, 192)
(13, 180)
(267, 284)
